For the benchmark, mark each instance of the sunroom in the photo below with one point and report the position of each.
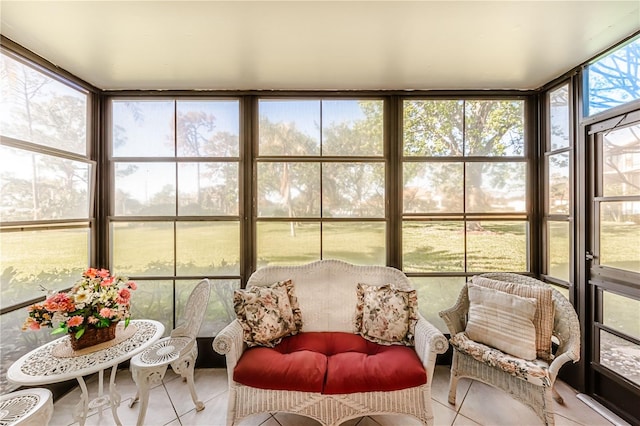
(174, 141)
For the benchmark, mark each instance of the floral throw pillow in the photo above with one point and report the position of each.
(267, 314)
(386, 315)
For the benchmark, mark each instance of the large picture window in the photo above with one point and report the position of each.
(464, 194)
(47, 189)
(321, 181)
(175, 209)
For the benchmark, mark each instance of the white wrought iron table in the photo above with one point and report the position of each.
(43, 366)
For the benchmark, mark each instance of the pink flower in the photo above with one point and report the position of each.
(132, 285)
(92, 319)
(91, 272)
(124, 295)
(106, 313)
(103, 273)
(59, 302)
(106, 282)
(75, 320)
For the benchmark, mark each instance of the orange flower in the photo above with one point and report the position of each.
(75, 320)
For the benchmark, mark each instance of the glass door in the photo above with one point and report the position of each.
(613, 263)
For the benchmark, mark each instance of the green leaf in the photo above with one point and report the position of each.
(60, 330)
(126, 322)
(79, 333)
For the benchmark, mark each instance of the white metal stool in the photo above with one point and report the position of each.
(26, 407)
(180, 350)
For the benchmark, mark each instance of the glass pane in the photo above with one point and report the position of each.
(145, 189)
(432, 188)
(362, 243)
(353, 190)
(494, 128)
(208, 128)
(290, 128)
(621, 313)
(558, 183)
(433, 246)
(287, 243)
(620, 355)
(208, 189)
(619, 232)
(496, 187)
(27, 261)
(220, 310)
(497, 246)
(433, 128)
(621, 158)
(15, 343)
(609, 79)
(559, 249)
(154, 300)
(36, 108)
(436, 294)
(352, 127)
(143, 128)
(207, 248)
(142, 248)
(559, 118)
(42, 187)
(288, 189)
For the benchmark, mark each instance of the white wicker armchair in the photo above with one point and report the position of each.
(537, 394)
(326, 292)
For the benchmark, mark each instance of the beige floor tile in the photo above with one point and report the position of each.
(440, 387)
(258, 419)
(209, 383)
(288, 419)
(489, 406)
(576, 410)
(464, 421)
(214, 413)
(443, 414)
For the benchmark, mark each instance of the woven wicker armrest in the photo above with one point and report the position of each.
(566, 328)
(429, 343)
(456, 316)
(229, 342)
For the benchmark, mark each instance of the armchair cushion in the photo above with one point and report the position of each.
(386, 315)
(535, 371)
(502, 320)
(543, 318)
(268, 313)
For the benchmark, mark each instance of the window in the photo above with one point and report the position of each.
(465, 204)
(612, 80)
(320, 181)
(47, 182)
(558, 184)
(175, 210)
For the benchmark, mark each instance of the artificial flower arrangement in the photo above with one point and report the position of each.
(97, 300)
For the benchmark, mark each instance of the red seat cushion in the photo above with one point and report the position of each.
(330, 363)
(383, 368)
(266, 368)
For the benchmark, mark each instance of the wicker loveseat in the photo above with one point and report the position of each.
(530, 382)
(360, 378)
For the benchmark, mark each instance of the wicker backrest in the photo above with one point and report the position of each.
(566, 327)
(326, 289)
(195, 310)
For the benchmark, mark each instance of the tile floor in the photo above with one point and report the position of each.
(170, 404)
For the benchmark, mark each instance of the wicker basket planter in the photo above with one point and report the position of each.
(93, 336)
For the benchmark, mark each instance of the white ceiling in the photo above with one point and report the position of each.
(318, 45)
